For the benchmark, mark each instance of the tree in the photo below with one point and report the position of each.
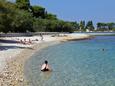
(111, 25)
(22, 17)
(38, 11)
(67, 27)
(23, 4)
(105, 26)
(22, 22)
(7, 12)
(82, 25)
(40, 25)
(90, 26)
(50, 16)
(75, 26)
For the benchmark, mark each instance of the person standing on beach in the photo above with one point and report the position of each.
(41, 36)
(45, 67)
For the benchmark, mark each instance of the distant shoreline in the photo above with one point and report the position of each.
(52, 33)
(98, 33)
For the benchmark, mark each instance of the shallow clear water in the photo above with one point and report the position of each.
(75, 63)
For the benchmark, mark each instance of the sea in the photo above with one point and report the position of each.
(89, 62)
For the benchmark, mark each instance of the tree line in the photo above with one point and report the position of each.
(106, 26)
(21, 16)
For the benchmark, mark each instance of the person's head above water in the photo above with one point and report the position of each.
(46, 62)
(103, 49)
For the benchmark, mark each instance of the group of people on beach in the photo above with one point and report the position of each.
(29, 41)
(25, 41)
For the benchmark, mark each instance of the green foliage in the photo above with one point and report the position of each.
(105, 26)
(46, 25)
(39, 25)
(82, 25)
(75, 26)
(22, 17)
(90, 26)
(23, 22)
(23, 4)
(50, 16)
(38, 11)
(7, 12)
(18, 1)
(14, 20)
(113, 29)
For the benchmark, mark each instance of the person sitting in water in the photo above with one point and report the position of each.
(45, 66)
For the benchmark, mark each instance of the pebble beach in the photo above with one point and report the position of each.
(14, 55)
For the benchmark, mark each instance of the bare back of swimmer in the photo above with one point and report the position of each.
(45, 67)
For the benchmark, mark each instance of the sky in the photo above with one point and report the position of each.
(76, 10)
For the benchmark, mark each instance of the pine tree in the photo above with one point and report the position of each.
(23, 4)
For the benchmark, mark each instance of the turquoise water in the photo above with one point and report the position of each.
(75, 63)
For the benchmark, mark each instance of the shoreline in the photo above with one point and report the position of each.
(13, 73)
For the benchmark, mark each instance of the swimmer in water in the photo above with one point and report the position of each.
(45, 67)
(103, 49)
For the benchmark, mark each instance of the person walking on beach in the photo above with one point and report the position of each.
(45, 67)
(41, 36)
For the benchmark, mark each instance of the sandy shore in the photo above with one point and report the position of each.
(14, 55)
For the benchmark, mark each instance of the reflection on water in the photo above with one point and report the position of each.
(76, 63)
